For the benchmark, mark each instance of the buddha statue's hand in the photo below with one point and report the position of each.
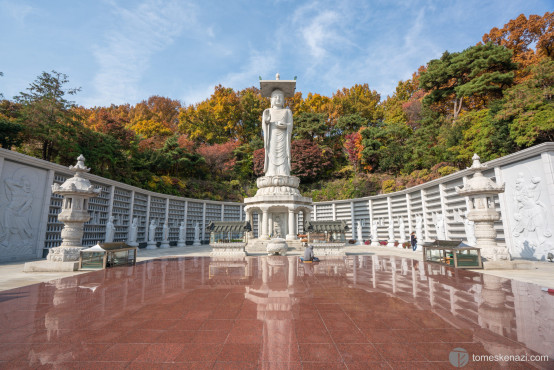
(266, 116)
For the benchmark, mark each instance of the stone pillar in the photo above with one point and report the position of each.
(265, 219)
(291, 235)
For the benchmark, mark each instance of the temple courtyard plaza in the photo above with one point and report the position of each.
(378, 307)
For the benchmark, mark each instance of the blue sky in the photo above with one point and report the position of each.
(125, 51)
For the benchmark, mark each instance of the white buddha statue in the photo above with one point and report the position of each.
(277, 129)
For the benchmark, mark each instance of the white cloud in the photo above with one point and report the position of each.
(130, 43)
(16, 10)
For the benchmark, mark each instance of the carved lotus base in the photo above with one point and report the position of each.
(277, 190)
(64, 254)
(278, 181)
(277, 246)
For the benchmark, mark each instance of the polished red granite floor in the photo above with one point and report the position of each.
(357, 312)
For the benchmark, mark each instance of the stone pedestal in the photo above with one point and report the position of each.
(279, 202)
(181, 243)
(277, 246)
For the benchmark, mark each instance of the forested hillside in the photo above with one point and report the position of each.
(493, 98)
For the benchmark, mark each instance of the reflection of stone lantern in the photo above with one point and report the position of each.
(481, 191)
(76, 192)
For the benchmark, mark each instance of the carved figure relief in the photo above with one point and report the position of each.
(532, 233)
(16, 232)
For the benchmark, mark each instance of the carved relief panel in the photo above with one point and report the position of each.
(21, 201)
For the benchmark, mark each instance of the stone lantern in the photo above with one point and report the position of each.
(76, 192)
(481, 191)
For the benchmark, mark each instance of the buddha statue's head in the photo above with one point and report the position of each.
(277, 99)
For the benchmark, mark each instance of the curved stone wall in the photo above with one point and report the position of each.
(29, 225)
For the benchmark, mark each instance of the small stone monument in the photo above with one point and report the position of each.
(76, 192)
(196, 242)
(182, 235)
(481, 191)
(132, 240)
(375, 223)
(391, 233)
(110, 230)
(152, 235)
(165, 236)
(359, 232)
(402, 228)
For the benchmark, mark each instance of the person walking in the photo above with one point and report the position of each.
(413, 241)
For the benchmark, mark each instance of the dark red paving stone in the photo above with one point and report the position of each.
(356, 352)
(15, 336)
(210, 336)
(307, 335)
(399, 352)
(10, 352)
(199, 352)
(324, 313)
(92, 365)
(97, 336)
(225, 365)
(348, 336)
(197, 315)
(285, 350)
(340, 325)
(365, 365)
(158, 324)
(234, 352)
(217, 325)
(88, 351)
(324, 365)
(319, 353)
(123, 352)
(161, 352)
(435, 351)
(224, 314)
(297, 365)
(187, 324)
(140, 336)
(176, 336)
(383, 336)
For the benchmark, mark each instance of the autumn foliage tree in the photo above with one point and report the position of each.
(530, 39)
